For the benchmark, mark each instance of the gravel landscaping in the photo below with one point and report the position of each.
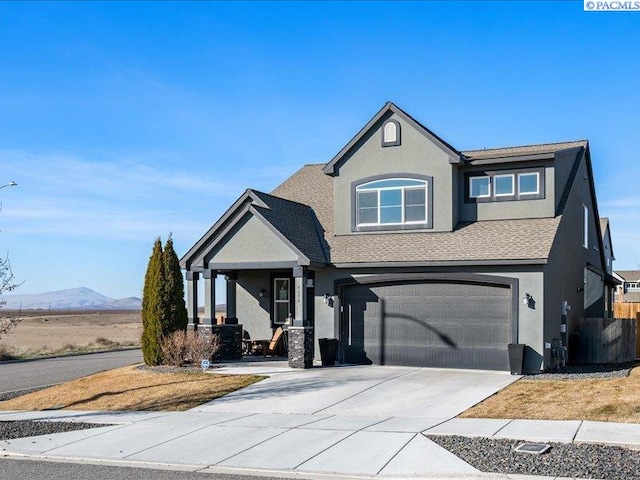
(563, 460)
(584, 372)
(29, 428)
(18, 393)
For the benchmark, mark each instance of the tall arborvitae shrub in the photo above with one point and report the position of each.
(153, 309)
(174, 290)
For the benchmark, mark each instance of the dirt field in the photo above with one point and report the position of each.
(41, 332)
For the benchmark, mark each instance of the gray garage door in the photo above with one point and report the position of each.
(432, 324)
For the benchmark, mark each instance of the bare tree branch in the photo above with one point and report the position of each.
(7, 283)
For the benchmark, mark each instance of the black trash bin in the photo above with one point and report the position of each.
(328, 351)
(516, 358)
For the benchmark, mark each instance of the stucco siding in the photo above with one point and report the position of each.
(415, 155)
(253, 311)
(250, 241)
(565, 271)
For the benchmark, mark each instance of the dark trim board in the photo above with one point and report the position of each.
(341, 285)
(253, 265)
(444, 263)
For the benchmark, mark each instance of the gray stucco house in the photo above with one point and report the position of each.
(411, 252)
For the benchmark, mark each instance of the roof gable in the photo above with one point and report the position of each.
(293, 224)
(250, 240)
(388, 109)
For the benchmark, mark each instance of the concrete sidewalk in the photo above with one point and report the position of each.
(294, 443)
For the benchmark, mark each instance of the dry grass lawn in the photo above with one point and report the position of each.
(129, 388)
(612, 400)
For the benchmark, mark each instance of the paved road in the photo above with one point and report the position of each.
(37, 373)
(28, 470)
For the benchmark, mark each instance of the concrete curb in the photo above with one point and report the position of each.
(285, 474)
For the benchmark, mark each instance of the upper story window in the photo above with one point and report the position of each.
(391, 133)
(505, 185)
(632, 287)
(392, 201)
(529, 183)
(479, 187)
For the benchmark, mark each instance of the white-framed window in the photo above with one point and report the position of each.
(479, 187)
(503, 185)
(392, 201)
(281, 300)
(585, 226)
(528, 183)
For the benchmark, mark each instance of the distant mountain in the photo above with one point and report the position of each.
(81, 298)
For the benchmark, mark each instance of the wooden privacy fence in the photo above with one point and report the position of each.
(626, 310)
(603, 340)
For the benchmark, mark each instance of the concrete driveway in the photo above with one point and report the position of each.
(342, 420)
(361, 391)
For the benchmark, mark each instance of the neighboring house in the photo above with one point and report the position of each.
(610, 282)
(628, 291)
(411, 252)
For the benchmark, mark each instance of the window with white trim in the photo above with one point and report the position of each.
(479, 187)
(281, 300)
(529, 183)
(392, 201)
(505, 185)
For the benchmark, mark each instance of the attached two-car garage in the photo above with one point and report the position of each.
(428, 323)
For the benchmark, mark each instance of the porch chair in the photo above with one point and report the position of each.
(266, 347)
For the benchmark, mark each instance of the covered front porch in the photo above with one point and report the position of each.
(268, 251)
(260, 301)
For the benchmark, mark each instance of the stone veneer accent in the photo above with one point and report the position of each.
(300, 347)
(230, 340)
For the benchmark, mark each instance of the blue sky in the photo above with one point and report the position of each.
(124, 121)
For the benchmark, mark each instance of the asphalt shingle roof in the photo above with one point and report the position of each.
(629, 275)
(296, 222)
(631, 297)
(524, 239)
(489, 153)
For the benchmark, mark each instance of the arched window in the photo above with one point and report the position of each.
(392, 201)
(391, 133)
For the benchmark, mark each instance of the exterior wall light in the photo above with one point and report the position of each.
(262, 293)
(327, 297)
(526, 299)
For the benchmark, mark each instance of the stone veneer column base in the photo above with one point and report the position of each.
(300, 347)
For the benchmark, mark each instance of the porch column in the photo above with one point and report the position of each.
(231, 278)
(300, 334)
(209, 299)
(300, 298)
(192, 300)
